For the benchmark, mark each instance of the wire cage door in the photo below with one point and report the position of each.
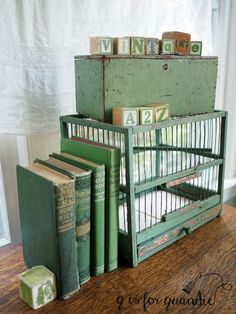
(170, 172)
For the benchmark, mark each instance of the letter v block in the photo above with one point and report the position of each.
(101, 45)
(137, 45)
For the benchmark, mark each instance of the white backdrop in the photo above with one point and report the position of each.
(38, 40)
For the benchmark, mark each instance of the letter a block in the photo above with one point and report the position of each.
(37, 286)
(195, 48)
(146, 115)
(125, 116)
(152, 46)
(168, 47)
(101, 45)
(137, 46)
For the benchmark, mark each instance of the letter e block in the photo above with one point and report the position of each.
(146, 115)
(137, 46)
(152, 46)
(37, 286)
(195, 48)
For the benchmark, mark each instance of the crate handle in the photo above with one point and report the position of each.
(187, 230)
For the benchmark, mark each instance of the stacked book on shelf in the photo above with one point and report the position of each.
(69, 212)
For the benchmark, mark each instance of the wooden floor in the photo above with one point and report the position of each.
(202, 263)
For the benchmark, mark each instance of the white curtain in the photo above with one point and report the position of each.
(38, 41)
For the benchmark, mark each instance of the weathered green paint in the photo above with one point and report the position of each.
(187, 84)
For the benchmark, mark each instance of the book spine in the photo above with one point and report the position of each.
(82, 201)
(98, 222)
(112, 204)
(66, 246)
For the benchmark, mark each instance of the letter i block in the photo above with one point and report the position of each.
(146, 115)
(125, 116)
(123, 46)
(37, 286)
(195, 48)
(152, 46)
(168, 47)
(137, 46)
(101, 45)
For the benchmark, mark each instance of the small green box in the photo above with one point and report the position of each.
(37, 286)
(195, 48)
(186, 83)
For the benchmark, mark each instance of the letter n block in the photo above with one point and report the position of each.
(125, 116)
(137, 45)
(152, 46)
(195, 48)
(146, 115)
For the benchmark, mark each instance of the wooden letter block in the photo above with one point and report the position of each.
(195, 48)
(137, 46)
(106, 45)
(125, 116)
(152, 46)
(181, 41)
(123, 46)
(168, 47)
(37, 286)
(162, 111)
(101, 45)
(95, 45)
(146, 115)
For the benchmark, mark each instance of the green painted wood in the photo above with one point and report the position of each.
(164, 226)
(103, 83)
(152, 183)
(202, 219)
(130, 197)
(223, 140)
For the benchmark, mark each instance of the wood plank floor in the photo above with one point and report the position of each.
(202, 263)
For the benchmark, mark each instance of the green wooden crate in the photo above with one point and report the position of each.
(171, 176)
(187, 84)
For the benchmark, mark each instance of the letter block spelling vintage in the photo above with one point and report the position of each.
(105, 82)
(101, 45)
(171, 176)
(181, 41)
(195, 48)
(37, 286)
(137, 45)
(152, 46)
(122, 45)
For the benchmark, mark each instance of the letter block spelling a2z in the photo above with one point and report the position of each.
(125, 116)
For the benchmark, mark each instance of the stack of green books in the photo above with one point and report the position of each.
(69, 212)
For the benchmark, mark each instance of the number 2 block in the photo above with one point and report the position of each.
(146, 115)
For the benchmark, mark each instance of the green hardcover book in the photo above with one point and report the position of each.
(97, 232)
(82, 211)
(110, 157)
(47, 217)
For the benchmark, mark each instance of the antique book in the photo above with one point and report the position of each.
(97, 232)
(47, 218)
(110, 157)
(82, 211)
